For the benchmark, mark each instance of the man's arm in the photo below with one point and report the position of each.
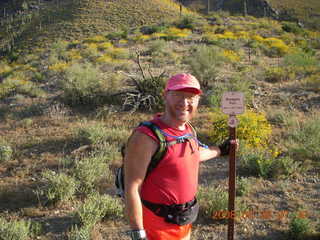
(209, 153)
(139, 151)
(216, 151)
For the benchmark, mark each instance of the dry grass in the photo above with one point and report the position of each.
(41, 134)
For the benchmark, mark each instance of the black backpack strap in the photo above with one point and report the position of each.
(162, 148)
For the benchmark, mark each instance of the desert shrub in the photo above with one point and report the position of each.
(60, 187)
(212, 199)
(91, 134)
(88, 171)
(278, 74)
(60, 49)
(312, 83)
(146, 93)
(82, 84)
(77, 233)
(275, 47)
(303, 139)
(5, 152)
(14, 230)
(302, 63)
(118, 35)
(242, 186)
(158, 47)
(264, 163)
(256, 163)
(148, 30)
(284, 167)
(237, 82)
(204, 63)
(174, 33)
(298, 228)
(214, 202)
(97, 133)
(188, 21)
(97, 207)
(292, 28)
(253, 129)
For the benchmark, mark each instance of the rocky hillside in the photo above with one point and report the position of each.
(305, 12)
(42, 21)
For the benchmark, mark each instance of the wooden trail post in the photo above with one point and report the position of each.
(232, 104)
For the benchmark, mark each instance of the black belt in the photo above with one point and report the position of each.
(163, 210)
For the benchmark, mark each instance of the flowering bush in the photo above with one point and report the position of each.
(253, 129)
(231, 55)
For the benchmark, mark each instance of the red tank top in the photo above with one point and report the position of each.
(175, 179)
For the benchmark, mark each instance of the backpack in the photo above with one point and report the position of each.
(158, 155)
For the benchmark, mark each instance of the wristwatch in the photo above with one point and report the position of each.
(138, 234)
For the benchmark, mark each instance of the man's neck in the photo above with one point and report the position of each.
(174, 123)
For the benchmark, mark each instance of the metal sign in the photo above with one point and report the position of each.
(232, 103)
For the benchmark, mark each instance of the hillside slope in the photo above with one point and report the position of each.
(43, 21)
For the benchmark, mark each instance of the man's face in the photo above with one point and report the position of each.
(182, 106)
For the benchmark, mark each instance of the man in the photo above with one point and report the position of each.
(152, 201)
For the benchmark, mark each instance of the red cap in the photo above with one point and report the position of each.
(183, 82)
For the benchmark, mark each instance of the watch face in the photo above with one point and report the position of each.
(138, 234)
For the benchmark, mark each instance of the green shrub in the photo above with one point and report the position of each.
(303, 139)
(242, 186)
(97, 134)
(146, 94)
(82, 84)
(158, 48)
(5, 153)
(60, 187)
(14, 230)
(256, 163)
(292, 28)
(298, 228)
(188, 21)
(89, 171)
(312, 83)
(278, 74)
(118, 35)
(79, 233)
(148, 30)
(212, 199)
(262, 163)
(301, 60)
(97, 207)
(204, 63)
(92, 134)
(254, 130)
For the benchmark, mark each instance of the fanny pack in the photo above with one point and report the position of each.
(180, 214)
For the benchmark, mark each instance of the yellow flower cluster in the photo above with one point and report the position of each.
(74, 54)
(105, 46)
(253, 128)
(59, 66)
(231, 55)
(277, 44)
(95, 39)
(174, 32)
(5, 68)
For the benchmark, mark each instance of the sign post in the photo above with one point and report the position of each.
(232, 104)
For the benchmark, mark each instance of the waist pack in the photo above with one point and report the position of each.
(179, 214)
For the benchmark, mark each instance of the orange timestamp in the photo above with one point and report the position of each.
(251, 214)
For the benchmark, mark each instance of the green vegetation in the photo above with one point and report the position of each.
(60, 187)
(66, 105)
(298, 228)
(97, 207)
(14, 230)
